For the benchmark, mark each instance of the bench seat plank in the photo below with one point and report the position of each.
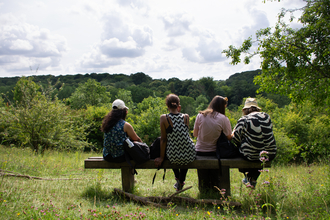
(201, 162)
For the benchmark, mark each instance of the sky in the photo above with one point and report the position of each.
(163, 39)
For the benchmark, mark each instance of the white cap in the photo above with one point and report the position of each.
(118, 104)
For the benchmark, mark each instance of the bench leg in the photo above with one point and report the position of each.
(225, 180)
(127, 179)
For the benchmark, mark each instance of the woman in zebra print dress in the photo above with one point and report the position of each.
(175, 139)
(253, 134)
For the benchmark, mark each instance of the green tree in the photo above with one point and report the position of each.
(187, 105)
(2, 103)
(89, 93)
(295, 62)
(41, 121)
(147, 123)
(126, 96)
(93, 117)
(208, 86)
(201, 103)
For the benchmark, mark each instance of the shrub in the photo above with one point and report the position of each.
(39, 122)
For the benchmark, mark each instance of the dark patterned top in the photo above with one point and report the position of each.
(114, 139)
(253, 134)
(180, 148)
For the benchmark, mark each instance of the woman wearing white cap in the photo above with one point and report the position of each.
(116, 130)
(253, 135)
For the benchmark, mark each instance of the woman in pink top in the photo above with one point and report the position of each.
(208, 127)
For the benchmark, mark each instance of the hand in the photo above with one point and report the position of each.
(158, 161)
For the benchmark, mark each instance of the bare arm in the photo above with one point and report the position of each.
(229, 137)
(131, 133)
(196, 130)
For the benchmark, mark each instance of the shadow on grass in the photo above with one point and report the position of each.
(96, 192)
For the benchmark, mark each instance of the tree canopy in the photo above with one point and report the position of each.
(295, 62)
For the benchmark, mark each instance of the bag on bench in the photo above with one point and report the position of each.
(138, 151)
(154, 153)
(225, 149)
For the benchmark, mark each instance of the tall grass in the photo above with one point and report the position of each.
(67, 191)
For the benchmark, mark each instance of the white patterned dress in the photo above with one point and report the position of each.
(180, 148)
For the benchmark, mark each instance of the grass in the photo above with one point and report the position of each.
(70, 192)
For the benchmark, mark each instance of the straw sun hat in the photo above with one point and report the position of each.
(251, 102)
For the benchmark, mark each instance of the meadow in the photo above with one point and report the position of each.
(55, 185)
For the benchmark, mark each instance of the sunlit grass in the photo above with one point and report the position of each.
(70, 192)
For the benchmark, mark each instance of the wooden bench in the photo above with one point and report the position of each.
(201, 162)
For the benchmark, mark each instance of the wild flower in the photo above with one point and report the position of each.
(266, 183)
(263, 159)
(263, 153)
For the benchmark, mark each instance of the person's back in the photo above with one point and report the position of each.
(175, 139)
(254, 134)
(210, 127)
(116, 131)
(179, 148)
(114, 139)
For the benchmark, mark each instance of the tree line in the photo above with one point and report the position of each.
(141, 86)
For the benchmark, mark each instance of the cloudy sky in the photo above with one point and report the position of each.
(164, 39)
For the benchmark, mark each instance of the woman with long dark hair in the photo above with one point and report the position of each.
(116, 131)
(209, 125)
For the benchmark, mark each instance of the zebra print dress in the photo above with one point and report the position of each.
(253, 134)
(180, 148)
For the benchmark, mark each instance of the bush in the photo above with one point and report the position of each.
(39, 122)
(147, 123)
(287, 149)
(93, 118)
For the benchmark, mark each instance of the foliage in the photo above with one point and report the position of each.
(126, 96)
(93, 117)
(90, 93)
(308, 129)
(295, 62)
(147, 122)
(2, 103)
(201, 103)
(207, 86)
(187, 105)
(39, 122)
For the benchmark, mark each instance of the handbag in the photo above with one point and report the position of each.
(154, 153)
(138, 151)
(225, 149)
(155, 149)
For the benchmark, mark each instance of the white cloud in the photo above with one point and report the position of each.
(23, 44)
(163, 39)
(176, 25)
(120, 39)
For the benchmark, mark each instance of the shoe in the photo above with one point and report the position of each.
(253, 184)
(178, 186)
(245, 181)
(249, 183)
